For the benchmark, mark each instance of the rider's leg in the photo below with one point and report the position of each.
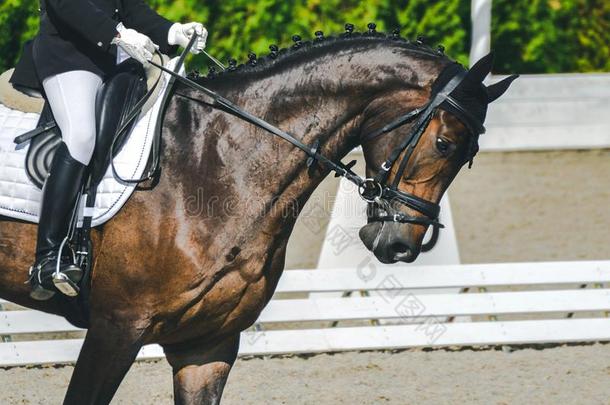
(72, 99)
(71, 96)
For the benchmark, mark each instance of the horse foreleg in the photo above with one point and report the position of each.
(200, 372)
(107, 354)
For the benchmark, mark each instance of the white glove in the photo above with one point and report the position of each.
(181, 34)
(135, 44)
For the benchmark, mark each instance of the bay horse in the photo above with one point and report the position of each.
(192, 261)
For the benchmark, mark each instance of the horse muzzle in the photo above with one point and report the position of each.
(387, 243)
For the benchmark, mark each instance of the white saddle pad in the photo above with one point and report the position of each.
(20, 199)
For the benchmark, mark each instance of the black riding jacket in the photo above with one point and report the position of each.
(77, 35)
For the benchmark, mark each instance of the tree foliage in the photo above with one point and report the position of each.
(550, 36)
(18, 22)
(529, 36)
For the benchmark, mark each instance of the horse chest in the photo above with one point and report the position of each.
(229, 305)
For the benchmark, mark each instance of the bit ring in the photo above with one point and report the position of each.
(370, 190)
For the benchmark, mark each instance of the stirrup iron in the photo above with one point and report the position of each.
(65, 285)
(61, 281)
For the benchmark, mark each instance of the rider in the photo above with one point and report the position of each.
(78, 43)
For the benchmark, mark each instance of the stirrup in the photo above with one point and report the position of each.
(66, 286)
(61, 281)
(38, 292)
(51, 275)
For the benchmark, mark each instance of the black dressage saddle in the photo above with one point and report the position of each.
(114, 101)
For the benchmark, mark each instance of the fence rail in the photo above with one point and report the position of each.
(548, 292)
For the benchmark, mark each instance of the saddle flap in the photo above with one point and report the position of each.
(115, 99)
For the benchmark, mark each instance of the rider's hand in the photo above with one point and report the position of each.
(181, 34)
(137, 45)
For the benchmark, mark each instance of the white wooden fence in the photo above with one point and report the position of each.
(357, 316)
(542, 112)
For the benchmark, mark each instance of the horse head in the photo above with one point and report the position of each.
(417, 156)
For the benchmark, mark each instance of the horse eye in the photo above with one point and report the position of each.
(442, 146)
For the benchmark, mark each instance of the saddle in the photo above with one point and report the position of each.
(115, 99)
(19, 98)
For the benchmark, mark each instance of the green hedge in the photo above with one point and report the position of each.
(535, 36)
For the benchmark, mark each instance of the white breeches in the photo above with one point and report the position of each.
(71, 96)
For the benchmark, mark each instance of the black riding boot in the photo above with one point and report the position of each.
(59, 196)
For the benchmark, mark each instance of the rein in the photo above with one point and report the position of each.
(375, 190)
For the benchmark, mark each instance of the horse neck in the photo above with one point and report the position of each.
(323, 100)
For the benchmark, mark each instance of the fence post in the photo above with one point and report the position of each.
(480, 13)
(4, 338)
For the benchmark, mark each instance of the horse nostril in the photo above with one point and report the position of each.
(399, 247)
(402, 252)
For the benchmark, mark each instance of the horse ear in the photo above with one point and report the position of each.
(497, 89)
(481, 69)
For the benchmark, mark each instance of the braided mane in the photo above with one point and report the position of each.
(320, 45)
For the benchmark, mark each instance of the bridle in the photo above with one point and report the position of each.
(374, 190)
(378, 192)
